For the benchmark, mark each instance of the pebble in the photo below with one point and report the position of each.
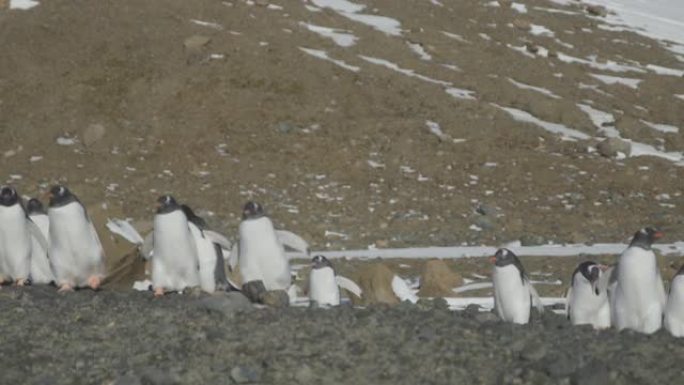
(610, 147)
(245, 375)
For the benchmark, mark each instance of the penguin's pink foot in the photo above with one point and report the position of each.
(158, 292)
(94, 282)
(65, 287)
(20, 282)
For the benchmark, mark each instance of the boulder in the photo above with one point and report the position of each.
(376, 282)
(610, 147)
(438, 280)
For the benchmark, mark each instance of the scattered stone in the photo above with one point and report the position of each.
(533, 352)
(532, 48)
(275, 298)
(376, 282)
(486, 316)
(253, 290)
(485, 223)
(127, 379)
(225, 303)
(245, 375)
(304, 375)
(595, 373)
(196, 42)
(437, 279)
(522, 24)
(596, 10)
(156, 376)
(286, 127)
(610, 147)
(505, 3)
(92, 134)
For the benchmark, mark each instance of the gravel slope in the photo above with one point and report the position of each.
(114, 337)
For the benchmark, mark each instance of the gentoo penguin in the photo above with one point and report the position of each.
(324, 283)
(75, 251)
(674, 311)
(41, 270)
(212, 267)
(175, 264)
(587, 299)
(513, 292)
(261, 255)
(15, 238)
(639, 295)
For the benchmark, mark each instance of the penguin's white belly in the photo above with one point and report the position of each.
(174, 262)
(41, 271)
(75, 250)
(206, 255)
(511, 296)
(323, 287)
(588, 308)
(637, 303)
(262, 256)
(15, 242)
(674, 311)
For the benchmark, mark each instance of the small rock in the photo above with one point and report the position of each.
(275, 298)
(596, 10)
(486, 316)
(156, 376)
(440, 304)
(485, 223)
(484, 209)
(196, 42)
(127, 379)
(304, 375)
(595, 373)
(505, 3)
(92, 134)
(610, 147)
(225, 303)
(522, 24)
(261, 3)
(534, 352)
(245, 375)
(437, 279)
(532, 48)
(286, 127)
(253, 290)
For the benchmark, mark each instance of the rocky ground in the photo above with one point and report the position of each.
(130, 338)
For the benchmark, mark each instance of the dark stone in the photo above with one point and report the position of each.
(253, 290)
(275, 298)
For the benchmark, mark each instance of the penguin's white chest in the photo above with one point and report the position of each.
(323, 287)
(586, 307)
(638, 302)
(262, 256)
(175, 261)
(206, 258)
(15, 242)
(511, 295)
(674, 311)
(75, 249)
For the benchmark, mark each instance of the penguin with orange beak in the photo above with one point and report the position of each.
(639, 297)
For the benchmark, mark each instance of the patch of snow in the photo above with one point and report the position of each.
(543, 91)
(609, 65)
(540, 30)
(520, 7)
(340, 37)
(679, 96)
(23, 4)
(556, 128)
(460, 93)
(419, 50)
(666, 128)
(665, 70)
(435, 129)
(323, 55)
(207, 24)
(62, 141)
(396, 68)
(456, 37)
(350, 11)
(375, 164)
(35, 158)
(556, 10)
(339, 5)
(602, 120)
(607, 79)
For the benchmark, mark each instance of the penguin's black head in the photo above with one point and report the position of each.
(645, 237)
(503, 257)
(60, 195)
(591, 271)
(166, 204)
(319, 262)
(8, 196)
(252, 210)
(34, 206)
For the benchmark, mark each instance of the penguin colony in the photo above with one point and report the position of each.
(60, 246)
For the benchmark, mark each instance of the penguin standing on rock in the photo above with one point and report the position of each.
(175, 264)
(261, 256)
(15, 238)
(513, 291)
(674, 311)
(587, 299)
(74, 249)
(639, 296)
(41, 271)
